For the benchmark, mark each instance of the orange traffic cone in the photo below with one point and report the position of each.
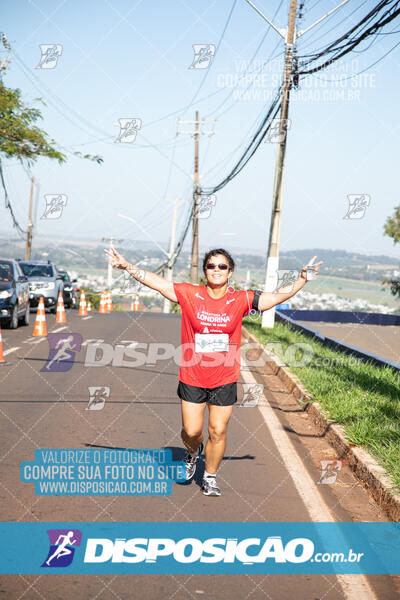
(136, 304)
(40, 329)
(89, 306)
(106, 302)
(102, 307)
(61, 316)
(109, 302)
(3, 363)
(82, 305)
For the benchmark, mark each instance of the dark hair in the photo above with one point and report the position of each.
(216, 251)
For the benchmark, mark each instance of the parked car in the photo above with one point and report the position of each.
(14, 294)
(44, 281)
(70, 296)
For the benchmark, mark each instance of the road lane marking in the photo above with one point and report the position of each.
(33, 340)
(59, 329)
(85, 318)
(10, 350)
(354, 586)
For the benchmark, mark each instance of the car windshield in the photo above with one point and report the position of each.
(5, 271)
(31, 270)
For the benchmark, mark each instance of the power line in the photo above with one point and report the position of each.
(314, 5)
(252, 146)
(94, 127)
(346, 43)
(270, 59)
(334, 49)
(164, 195)
(312, 41)
(210, 95)
(58, 101)
(228, 156)
(55, 105)
(210, 137)
(85, 126)
(39, 85)
(216, 53)
(376, 62)
(179, 245)
(366, 68)
(174, 113)
(250, 62)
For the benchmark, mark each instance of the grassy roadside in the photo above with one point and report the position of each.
(364, 398)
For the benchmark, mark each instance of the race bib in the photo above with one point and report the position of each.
(211, 342)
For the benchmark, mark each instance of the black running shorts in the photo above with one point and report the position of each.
(224, 395)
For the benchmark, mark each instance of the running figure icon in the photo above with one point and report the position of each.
(64, 344)
(62, 549)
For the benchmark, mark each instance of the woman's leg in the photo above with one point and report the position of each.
(192, 424)
(218, 423)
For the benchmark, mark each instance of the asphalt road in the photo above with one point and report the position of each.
(47, 410)
(382, 340)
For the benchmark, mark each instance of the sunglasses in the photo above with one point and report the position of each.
(221, 267)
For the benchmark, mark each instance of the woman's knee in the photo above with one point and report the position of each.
(191, 432)
(217, 433)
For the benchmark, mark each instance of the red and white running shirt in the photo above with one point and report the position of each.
(211, 334)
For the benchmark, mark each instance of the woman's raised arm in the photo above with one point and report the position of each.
(153, 281)
(269, 299)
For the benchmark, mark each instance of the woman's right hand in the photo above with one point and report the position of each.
(116, 259)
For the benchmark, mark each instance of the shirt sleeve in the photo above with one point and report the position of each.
(248, 297)
(182, 291)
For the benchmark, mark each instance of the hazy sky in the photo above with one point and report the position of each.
(131, 59)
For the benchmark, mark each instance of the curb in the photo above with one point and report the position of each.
(371, 474)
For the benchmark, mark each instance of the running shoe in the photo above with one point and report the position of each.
(209, 487)
(191, 462)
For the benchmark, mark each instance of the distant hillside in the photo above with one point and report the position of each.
(72, 254)
(339, 258)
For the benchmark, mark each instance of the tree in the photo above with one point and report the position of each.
(392, 225)
(392, 229)
(20, 137)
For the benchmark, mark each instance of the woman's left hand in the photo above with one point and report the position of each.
(312, 265)
(116, 259)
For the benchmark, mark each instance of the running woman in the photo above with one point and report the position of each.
(211, 333)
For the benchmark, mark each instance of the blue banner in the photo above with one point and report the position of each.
(196, 548)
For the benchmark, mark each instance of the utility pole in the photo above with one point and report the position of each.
(194, 264)
(28, 247)
(194, 268)
(167, 302)
(110, 241)
(289, 35)
(268, 316)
